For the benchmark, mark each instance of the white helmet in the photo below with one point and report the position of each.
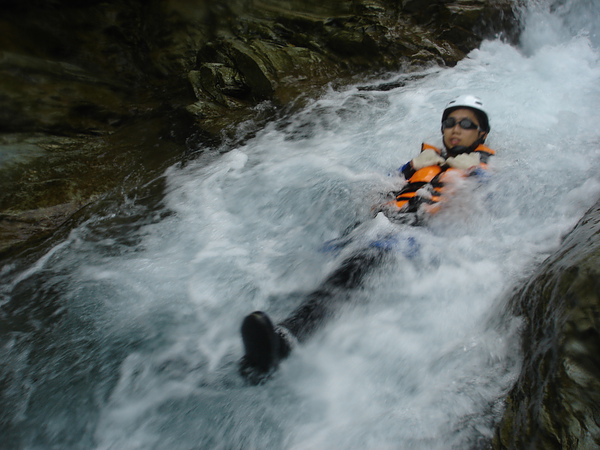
(472, 102)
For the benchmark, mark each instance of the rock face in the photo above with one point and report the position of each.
(279, 50)
(89, 88)
(556, 401)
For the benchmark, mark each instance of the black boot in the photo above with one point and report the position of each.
(264, 347)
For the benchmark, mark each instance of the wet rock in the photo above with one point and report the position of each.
(57, 97)
(556, 401)
(278, 51)
(45, 180)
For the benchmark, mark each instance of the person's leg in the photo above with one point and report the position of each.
(323, 303)
(266, 345)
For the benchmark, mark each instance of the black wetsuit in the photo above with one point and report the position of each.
(266, 344)
(335, 290)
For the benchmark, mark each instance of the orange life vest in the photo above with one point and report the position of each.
(426, 185)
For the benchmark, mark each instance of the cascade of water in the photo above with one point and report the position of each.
(136, 341)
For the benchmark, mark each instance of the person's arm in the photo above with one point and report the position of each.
(465, 161)
(474, 163)
(428, 157)
(407, 170)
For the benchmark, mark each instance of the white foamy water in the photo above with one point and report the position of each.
(147, 338)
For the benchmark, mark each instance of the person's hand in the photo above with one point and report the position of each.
(427, 158)
(464, 161)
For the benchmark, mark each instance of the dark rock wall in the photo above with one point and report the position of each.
(86, 66)
(556, 401)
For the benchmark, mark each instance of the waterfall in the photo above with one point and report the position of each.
(125, 334)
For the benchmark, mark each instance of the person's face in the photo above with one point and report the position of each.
(457, 135)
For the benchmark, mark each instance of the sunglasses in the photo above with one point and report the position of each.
(465, 124)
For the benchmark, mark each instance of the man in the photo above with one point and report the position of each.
(465, 127)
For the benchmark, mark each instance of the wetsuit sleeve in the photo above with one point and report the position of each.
(481, 172)
(407, 170)
(484, 157)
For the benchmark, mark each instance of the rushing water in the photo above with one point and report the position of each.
(126, 333)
